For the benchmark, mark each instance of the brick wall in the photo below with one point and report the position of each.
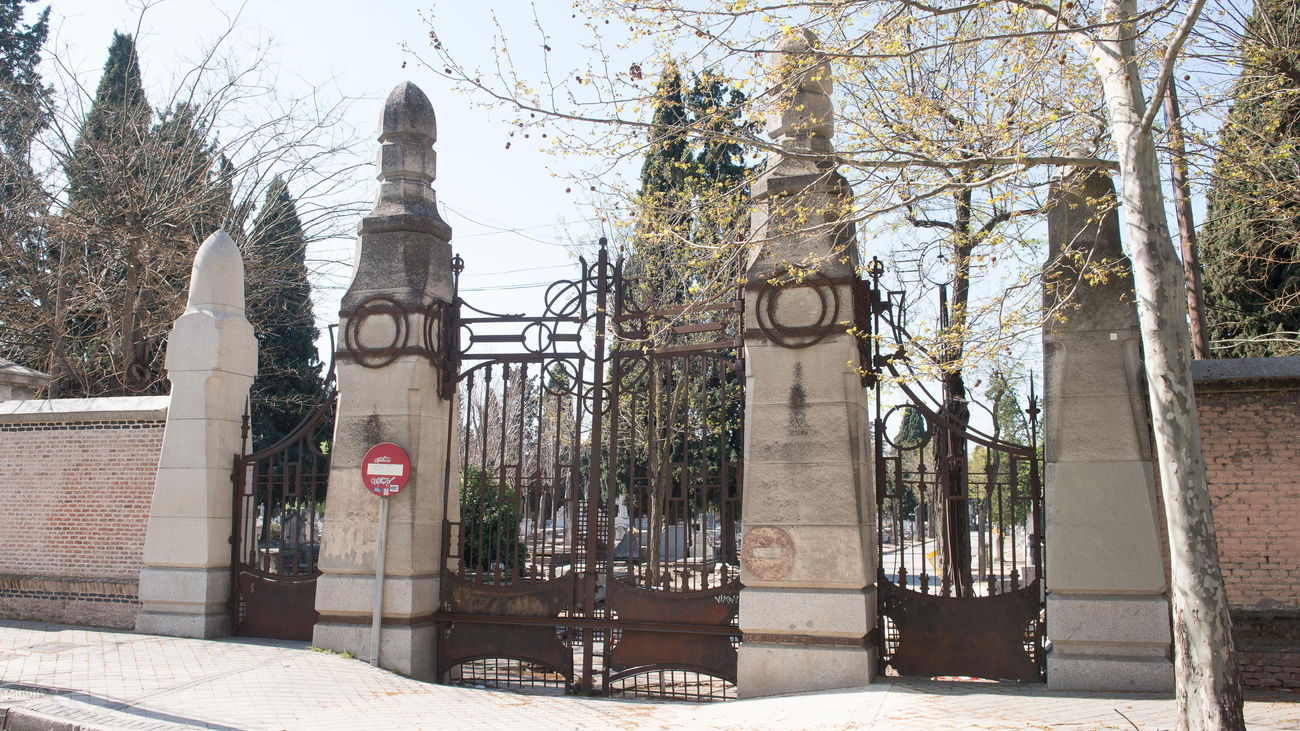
(1251, 443)
(1249, 411)
(76, 482)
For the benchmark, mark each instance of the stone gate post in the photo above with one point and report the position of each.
(389, 391)
(211, 362)
(808, 559)
(1107, 607)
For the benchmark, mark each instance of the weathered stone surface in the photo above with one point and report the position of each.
(817, 611)
(404, 255)
(405, 595)
(1126, 673)
(403, 648)
(808, 551)
(1104, 620)
(771, 669)
(403, 251)
(211, 361)
(1107, 612)
(1103, 528)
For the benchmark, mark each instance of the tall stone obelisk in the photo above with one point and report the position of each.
(211, 362)
(1107, 606)
(389, 391)
(808, 552)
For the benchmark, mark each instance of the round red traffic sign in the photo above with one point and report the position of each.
(385, 469)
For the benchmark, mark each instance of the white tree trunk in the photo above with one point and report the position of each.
(1209, 687)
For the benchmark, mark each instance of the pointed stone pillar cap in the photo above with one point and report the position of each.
(815, 69)
(407, 166)
(408, 111)
(217, 279)
(801, 116)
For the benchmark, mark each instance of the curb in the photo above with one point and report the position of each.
(21, 719)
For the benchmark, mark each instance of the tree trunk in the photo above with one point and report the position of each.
(954, 469)
(58, 350)
(1186, 225)
(126, 336)
(656, 482)
(1209, 686)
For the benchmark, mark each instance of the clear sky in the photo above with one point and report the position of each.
(511, 218)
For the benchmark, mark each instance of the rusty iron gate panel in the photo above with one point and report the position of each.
(278, 499)
(597, 541)
(961, 586)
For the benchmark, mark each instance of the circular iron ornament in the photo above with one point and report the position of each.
(634, 296)
(365, 355)
(634, 373)
(799, 336)
(432, 328)
(767, 552)
(925, 438)
(588, 398)
(539, 337)
(561, 377)
(465, 337)
(559, 307)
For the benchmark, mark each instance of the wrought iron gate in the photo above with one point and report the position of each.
(597, 542)
(961, 585)
(278, 515)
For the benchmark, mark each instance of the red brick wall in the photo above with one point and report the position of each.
(1251, 442)
(1250, 434)
(75, 492)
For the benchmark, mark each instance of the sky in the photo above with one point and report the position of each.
(511, 218)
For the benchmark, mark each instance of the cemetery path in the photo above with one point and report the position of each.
(70, 678)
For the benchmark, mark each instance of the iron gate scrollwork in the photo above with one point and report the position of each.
(597, 541)
(278, 503)
(961, 592)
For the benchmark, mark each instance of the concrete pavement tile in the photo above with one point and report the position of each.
(122, 680)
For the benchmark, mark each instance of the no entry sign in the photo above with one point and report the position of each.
(385, 469)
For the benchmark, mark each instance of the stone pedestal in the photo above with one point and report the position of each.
(389, 381)
(211, 362)
(1107, 606)
(808, 552)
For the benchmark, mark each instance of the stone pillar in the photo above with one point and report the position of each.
(211, 362)
(389, 391)
(808, 559)
(1107, 606)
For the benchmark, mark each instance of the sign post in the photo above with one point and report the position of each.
(384, 471)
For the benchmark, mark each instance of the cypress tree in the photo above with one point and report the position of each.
(194, 187)
(691, 182)
(1251, 243)
(912, 430)
(108, 342)
(106, 157)
(668, 156)
(278, 298)
(24, 255)
(693, 193)
(24, 100)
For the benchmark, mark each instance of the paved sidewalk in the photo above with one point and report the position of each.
(120, 680)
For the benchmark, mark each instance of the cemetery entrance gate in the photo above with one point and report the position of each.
(596, 547)
(961, 587)
(278, 506)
